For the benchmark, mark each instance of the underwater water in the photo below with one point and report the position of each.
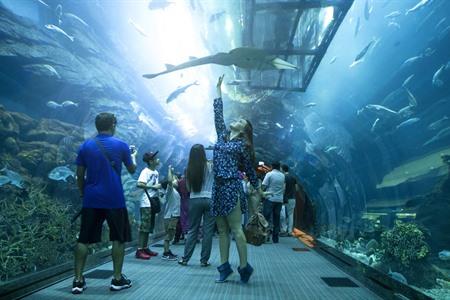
(369, 139)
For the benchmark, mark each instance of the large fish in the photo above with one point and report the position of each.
(412, 99)
(407, 80)
(410, 61)
(375, 125)
(418, 6)
(61, 173)
(58, 13)
(393, 15)
(367, 10)
(444, 133)
(357, 27)
(138, 28)
(246, 58)
(179, 91)
(360, 56)
(437, 80)
(379, 110)
(55, 28)
(408, 122)
(439, 123)
(76, 18)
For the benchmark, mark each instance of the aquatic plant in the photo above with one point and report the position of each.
(35, 232)
(405, 242)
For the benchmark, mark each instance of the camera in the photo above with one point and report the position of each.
(132, 149)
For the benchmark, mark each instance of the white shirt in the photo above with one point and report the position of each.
(149, 177)
(274, 181)
(172, 203)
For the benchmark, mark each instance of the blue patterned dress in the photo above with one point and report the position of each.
(228, 155)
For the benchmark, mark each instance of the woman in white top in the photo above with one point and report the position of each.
(199, 181)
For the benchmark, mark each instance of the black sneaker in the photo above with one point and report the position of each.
(169, 256)
(123, 283)
(204, 264)
(78, 286)
(183, 262)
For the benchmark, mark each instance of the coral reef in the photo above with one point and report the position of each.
(405, 242)
(35, 231)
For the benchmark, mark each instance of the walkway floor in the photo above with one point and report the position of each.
(280, 273)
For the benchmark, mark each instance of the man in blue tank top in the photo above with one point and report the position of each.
(99, 165)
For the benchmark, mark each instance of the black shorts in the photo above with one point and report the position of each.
(92, 220)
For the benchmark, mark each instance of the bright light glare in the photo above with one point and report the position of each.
(229, 26)
(329, 11)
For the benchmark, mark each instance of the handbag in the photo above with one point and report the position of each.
(256, 230)
(154, 202)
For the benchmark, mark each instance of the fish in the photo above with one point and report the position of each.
(238, 81)
(360, 56)
(374, 125)
(279, 125)
(438, 124)
(4, 180)
(53, 104)
(380, 110)
(367, 10)
(397, 276)
(411, 60)
(394, 24)
(411, 98)
(331, 148)
(14, 178)
(243, 57)
(138, 28)
(406, 111)
(444, 255)
(408, 122)
(55, 28)
(439, 136)
(421, 4)
(179, 91)
(357, 27)
(319, 129)
(42, 69)
(393, 15)
(61, 173)
(310, 104)
(159, 4)
(333, 60)
(43, 3)
(216, 16)
(437, 81)
(442, 21)
(407, 80)
(76, 18)
(58, 13)
(69, 104)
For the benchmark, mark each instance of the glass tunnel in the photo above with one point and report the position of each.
(352, 95)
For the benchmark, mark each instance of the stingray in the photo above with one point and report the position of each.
(246, 58)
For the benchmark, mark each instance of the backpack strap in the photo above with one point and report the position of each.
(106, 155)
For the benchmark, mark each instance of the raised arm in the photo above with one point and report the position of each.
(218, 112)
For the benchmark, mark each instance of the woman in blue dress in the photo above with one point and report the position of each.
(233, 152)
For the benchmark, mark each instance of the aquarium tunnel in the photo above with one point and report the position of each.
(353, 96)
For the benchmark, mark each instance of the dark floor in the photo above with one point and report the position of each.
(280, 273)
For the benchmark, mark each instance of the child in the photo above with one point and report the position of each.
(148, 180)
(171, 213)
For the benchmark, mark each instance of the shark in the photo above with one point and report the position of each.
(179, 91)
(243, 57)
